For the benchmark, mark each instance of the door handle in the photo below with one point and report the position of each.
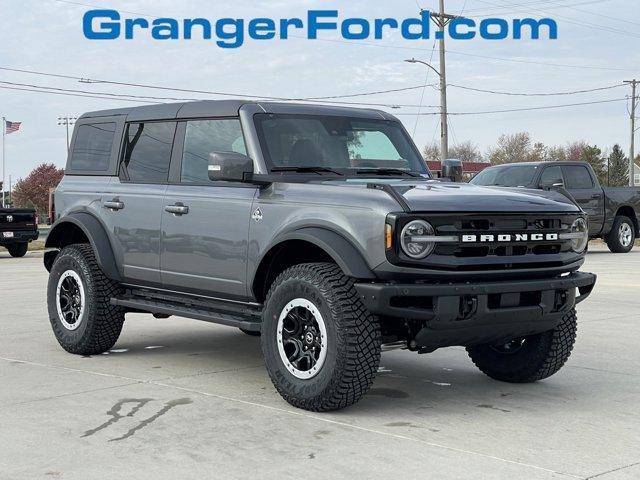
(114, 205)
(595, 196)
(177, 209)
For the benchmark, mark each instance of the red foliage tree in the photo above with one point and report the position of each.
(33, 191)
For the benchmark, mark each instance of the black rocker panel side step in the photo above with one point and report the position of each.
(246, 322)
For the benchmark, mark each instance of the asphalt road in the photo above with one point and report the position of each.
(181, 399)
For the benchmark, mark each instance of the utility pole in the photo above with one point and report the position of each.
(441, 19)
(632, 114)
(66, 121)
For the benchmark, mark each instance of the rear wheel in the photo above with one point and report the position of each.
(78, 296)
(622, 235)
(321, 346)
(18, 250)
(528, 359)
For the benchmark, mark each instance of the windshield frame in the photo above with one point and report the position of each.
(340, 172)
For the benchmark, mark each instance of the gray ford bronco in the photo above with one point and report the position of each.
(317, 228)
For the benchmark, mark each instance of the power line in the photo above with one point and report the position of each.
(73, 94)
(205, 92)
(524, 109)
(144, 98)
(568, 19)
(309, 99)
(549, 94)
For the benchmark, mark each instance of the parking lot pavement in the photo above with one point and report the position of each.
(178, 398)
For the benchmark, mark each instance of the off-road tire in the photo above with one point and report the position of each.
(540, 356)
(101, 323)
(353, 338)
(251, 333)
(613, 239)
(18, 250)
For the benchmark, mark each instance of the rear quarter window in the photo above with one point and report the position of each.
(92, 147)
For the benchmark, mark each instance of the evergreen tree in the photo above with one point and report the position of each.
(593, 156)
(618, 168)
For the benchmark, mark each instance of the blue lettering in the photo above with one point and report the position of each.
(236, 35)
(165, 29)
(455, 34)
(315, 25)
(535, 27)
(262, 29)
(487, 23)
(423, 22)
(108, 30)
(189, 23)
(285, 23)
(129, 25)
(361, 24)
(380, 23)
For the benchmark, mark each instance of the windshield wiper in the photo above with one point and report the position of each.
(387, 171)
(318, 170)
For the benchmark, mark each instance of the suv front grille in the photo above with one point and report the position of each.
(496, 255)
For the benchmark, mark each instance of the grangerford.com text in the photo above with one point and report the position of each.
(232, 32)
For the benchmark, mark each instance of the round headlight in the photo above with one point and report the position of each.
(412, 239)
(581, 231)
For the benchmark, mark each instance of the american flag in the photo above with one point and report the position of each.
(12, 127)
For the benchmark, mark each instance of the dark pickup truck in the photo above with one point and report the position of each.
(18, 227)
(613, 212)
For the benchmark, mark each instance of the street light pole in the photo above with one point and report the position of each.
(444, 130)
(66, 121)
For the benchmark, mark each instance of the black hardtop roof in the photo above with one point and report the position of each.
(231, 108)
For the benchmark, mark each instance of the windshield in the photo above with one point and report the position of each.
(336, 144)
(506, 176)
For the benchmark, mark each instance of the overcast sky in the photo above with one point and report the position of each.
(46, 36)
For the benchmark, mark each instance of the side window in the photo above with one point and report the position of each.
(92, 148)
(577, 177)
(147, 152)
(551, 176)
(203, 137)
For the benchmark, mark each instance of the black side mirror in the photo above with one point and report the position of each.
(452, 170)
(229, 167)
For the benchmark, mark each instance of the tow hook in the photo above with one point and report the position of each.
(468, 306)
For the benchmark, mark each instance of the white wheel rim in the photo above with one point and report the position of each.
(302, 338)
(70, 304)
(625, 234)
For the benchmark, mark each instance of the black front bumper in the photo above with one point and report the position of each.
(474, 313)
(24, 236)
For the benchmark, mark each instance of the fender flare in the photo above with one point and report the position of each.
(341, 250)
(98, 238)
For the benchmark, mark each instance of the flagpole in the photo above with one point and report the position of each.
(4, 132)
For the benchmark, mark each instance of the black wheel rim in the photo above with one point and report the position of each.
(70, 299)
(301, 338)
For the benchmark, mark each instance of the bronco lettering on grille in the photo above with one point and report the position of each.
(507, 237)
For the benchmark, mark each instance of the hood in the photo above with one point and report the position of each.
(437, 196)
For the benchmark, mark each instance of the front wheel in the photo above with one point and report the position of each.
(321, 346)
(78, 296)
(528, 359)
(622, 235)
(18, 250)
